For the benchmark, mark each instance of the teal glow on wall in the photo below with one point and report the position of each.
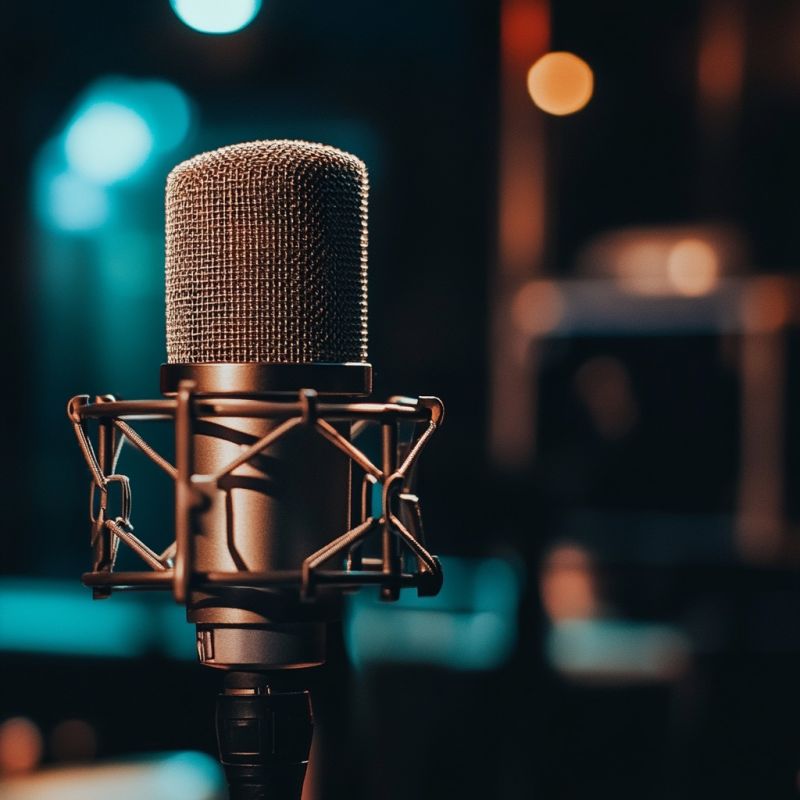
(40, 616)
(61, 618)
(470, 625)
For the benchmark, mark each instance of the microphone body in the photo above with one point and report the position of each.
(266, 294)
(266, 516)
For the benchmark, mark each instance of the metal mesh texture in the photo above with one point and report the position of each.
(266, 255)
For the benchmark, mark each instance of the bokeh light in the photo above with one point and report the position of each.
(69, 202)
(567, 584)
(166, 110)
(640, 266)
(119, 124)
(119, 131)
(107, 142)
(216, 16)
(159, 776)
(766, 305)
(470, 625)
(188, 774)
(560, 83)
(537, 307)
(688, 261)
(618, 651)
(73, 740)
(126, 628)
(693, 267)
(20, 746)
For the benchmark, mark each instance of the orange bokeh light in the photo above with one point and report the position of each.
(537, 307)
(693, 267)
(766, 306)
(524, 29)
(567, 584)
(560, 83)
(20, 746)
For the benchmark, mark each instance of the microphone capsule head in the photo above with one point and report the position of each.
(266, 256)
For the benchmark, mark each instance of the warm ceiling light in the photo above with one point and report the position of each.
(560, 83)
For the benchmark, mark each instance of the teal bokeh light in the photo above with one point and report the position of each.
(216, 16)
(119, 130)
(182, 775)
(60, 617)
(470, 625)
(189, 775)
(107, 142)
(68, 202)
(38, 616)
(120, 124)
(165, 109)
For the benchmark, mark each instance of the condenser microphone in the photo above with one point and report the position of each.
(276, 503)
(266, 292)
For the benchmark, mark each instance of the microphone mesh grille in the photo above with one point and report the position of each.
(266, 255)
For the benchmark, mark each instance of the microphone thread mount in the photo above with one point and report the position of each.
(264, 738)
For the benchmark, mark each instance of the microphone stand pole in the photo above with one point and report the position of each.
(264, 737)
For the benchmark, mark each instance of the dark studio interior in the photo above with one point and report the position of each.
(583, 239)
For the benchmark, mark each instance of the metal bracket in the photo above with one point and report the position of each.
(399, 524)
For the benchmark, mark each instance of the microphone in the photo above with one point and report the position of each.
(266, 382)
(266, 291)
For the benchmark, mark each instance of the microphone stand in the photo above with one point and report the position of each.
(264, 737)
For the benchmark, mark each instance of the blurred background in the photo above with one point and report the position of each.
(584, 238)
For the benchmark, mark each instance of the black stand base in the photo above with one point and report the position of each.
(264, 738)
